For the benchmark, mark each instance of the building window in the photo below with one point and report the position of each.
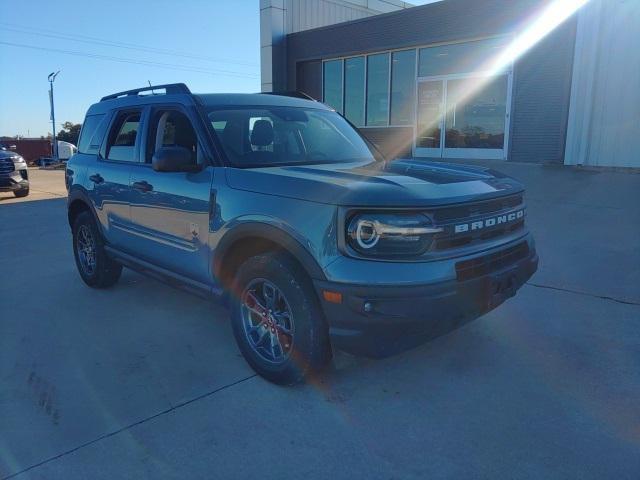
(460, 57)
(332, 84)
(403, 85)
(378, 89)
(354, 90)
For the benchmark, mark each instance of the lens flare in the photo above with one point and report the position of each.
(530, 34)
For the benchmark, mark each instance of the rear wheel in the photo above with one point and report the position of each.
(94, 265)
(277, 321)
(21, 193)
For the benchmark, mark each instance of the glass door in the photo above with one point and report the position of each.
(429, 118)
(476, 118)
(463, 116)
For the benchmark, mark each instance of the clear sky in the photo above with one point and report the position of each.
(211, 45)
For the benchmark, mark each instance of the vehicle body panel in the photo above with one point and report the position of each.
(110, 195)
(401, 183)
(170, 223)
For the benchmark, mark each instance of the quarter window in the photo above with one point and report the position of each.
(122, 148)
(91, 135)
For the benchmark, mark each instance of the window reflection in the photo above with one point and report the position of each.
(378, 89)
(458, 57)
(429, 114)
(332, 83)
(403, 83)
(475, 113)
(354, 90)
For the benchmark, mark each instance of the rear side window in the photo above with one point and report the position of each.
(122, 144)
(92, 133)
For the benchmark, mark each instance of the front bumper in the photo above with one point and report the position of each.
(380, 320)
(13, 181)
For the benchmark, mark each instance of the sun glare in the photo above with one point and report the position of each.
(529, 35)
(544, 23)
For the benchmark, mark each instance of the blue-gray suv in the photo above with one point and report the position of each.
(278, 206)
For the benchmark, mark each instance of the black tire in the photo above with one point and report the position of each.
(310, 350)
(105, 271)
(21, 193)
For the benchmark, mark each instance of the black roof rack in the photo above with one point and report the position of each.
(294, 94)
(168, 88)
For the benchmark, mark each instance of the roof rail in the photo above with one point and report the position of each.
(168, 88)
(294, 94)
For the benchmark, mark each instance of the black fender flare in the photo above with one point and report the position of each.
(270, 233)
(79, 194)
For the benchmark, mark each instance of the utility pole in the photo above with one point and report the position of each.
(52, 76)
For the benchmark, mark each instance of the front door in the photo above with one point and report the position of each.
(170, 210)
(463, 116)
(110, 173)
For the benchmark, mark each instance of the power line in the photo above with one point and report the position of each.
(110, 43)
(184, 68)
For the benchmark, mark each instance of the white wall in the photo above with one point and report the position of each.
(604, 115)
(281, 17)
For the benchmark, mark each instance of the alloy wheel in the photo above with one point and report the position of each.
(86, 248)
(267, 320)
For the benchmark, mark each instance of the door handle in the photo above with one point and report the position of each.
(143, 186)
(96, 178)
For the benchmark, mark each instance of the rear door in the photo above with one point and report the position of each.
(108, 176)
(170, 210)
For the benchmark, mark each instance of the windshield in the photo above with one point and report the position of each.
(269, 136)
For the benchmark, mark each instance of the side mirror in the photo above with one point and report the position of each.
(174, 159)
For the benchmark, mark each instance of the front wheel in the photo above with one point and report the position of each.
(94, 265)
(277, 321)
(21, 193)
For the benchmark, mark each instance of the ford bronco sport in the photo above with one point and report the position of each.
(279, 206)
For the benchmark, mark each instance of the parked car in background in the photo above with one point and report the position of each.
(280, 206)
(14, 176)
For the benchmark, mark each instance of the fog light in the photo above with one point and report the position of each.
(367, 307)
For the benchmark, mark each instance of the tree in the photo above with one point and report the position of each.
(70, 132)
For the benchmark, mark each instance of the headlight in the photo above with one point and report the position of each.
(390, 234)
(19, 162)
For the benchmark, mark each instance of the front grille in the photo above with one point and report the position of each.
(6, 165)
(449, 217)
(480, 266)
(488, 207)
(446, 242)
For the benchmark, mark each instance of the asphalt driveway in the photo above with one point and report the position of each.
(145, 381)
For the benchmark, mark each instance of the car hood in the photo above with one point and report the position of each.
(8, 154)
(398, 183)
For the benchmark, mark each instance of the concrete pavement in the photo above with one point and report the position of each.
(145, 381)
(43, 185)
